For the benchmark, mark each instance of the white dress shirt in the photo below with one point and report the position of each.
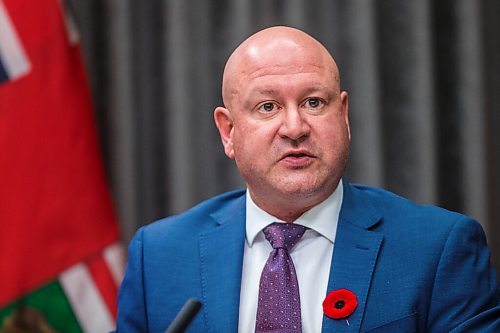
(311, 256)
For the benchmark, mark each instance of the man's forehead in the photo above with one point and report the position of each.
(281, 81)
(274, 90)
(255, 93)
(276, 51)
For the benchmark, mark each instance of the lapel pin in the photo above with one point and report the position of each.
(339, 304)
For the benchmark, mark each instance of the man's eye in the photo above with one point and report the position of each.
(267, 107)
(313, 102)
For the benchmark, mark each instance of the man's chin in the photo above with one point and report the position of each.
(300, 190)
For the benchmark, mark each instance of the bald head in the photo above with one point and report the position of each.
(285, 120)
(271, 48)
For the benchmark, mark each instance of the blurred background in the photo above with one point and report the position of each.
(423, 79)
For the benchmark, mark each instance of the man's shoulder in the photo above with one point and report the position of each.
(198, 217)
(397, 210)
(410, 228)
(386, 200)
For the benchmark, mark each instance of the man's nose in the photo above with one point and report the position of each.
(293, 126)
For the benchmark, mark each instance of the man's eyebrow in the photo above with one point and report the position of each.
(257, 94)
(264, 92)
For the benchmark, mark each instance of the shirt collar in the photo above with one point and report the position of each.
(322, 218)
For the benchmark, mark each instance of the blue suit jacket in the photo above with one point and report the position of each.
(413, 268)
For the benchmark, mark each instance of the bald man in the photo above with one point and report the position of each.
(300, 249)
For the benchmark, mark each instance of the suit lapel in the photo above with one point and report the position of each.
(354, 256)
(221, 260)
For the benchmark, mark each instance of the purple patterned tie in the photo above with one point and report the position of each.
(279, 301)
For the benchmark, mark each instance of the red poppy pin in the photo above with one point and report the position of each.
(340, 304)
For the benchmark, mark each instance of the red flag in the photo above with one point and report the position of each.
(55, 208)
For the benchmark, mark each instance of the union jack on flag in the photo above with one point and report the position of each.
(14, 62)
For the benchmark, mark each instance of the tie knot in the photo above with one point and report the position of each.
(284, 235)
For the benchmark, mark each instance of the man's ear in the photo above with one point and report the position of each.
(344, 97)
(224, 123)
